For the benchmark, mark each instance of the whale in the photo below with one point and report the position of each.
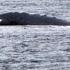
(15, 18)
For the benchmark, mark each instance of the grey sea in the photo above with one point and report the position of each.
(38, 47)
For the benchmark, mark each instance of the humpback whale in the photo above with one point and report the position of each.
(15, 18)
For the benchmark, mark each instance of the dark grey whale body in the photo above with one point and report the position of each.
(29, 19)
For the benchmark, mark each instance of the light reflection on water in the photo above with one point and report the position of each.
(35, 47)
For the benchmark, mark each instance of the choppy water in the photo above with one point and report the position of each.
(56, 8)
(34, 48)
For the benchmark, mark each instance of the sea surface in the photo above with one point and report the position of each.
(38, 47)
(35, 47)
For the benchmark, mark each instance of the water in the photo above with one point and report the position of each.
(56, 8)
(34, 48)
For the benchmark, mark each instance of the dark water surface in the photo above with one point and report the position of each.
(34, 47)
